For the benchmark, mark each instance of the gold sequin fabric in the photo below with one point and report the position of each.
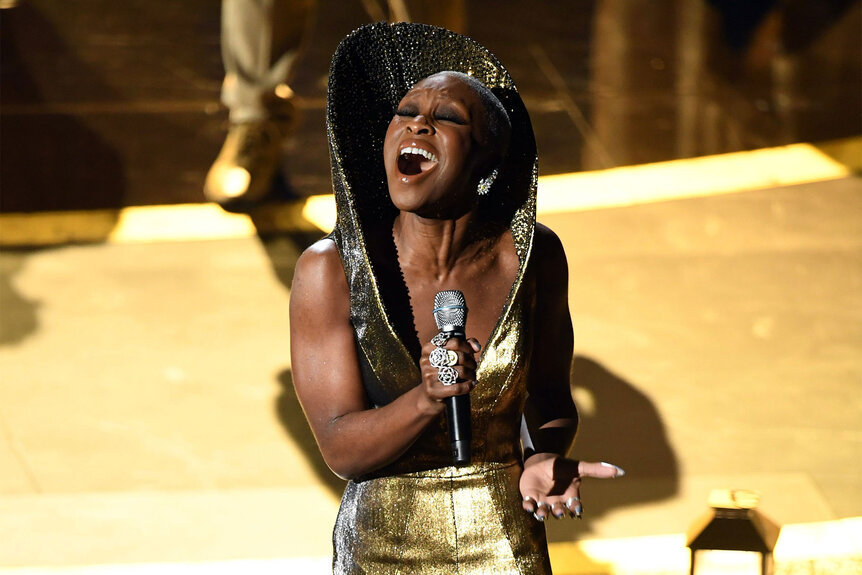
(420, 514)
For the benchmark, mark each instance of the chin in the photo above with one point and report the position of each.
(407, 203)
(425, 200)
(407, 197)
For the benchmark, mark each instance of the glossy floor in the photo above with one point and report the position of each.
(148, 413)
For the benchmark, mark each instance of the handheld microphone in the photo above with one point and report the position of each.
(450, 314)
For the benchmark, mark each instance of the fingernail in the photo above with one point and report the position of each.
(619, 470)
(579, 510)
(539, 517)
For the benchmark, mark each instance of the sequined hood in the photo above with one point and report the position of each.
(371, 70)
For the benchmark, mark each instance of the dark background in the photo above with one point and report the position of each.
(108, 104)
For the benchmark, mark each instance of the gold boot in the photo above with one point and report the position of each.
(243, 173)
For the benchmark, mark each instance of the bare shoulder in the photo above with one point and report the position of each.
(319, 256)
(548, 252)
(319, 275)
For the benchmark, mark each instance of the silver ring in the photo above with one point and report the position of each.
(562, 510)
(452, 358)
(441, 357)
(539, 505)
(447, 375)
(438, 357)
(440, 339)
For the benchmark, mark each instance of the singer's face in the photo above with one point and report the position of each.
(434, 148)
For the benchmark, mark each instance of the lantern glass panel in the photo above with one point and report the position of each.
(721, 562)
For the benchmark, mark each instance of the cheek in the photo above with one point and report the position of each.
(389, 137)
(463, 151)
(389, 145)
(456, 145)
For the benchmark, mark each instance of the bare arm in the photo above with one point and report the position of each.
(550, 414)
(353, 437)
(551, 483)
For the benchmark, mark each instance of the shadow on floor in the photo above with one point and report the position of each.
(19, 314)
(293, 420)
(618, 424)
(283, 250)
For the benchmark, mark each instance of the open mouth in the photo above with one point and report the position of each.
(412, 161)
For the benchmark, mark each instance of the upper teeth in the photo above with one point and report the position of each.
(424, 153)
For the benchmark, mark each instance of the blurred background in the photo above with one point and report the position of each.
(700, 160)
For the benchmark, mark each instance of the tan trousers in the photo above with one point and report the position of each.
(261, 40)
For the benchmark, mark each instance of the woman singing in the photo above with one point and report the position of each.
(434, 169)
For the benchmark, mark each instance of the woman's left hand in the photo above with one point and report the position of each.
(551, 484)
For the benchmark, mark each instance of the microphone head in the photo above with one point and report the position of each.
(450, 310)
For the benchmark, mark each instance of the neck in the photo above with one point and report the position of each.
(433, 245)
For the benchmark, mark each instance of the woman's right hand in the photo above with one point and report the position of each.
(433, 392)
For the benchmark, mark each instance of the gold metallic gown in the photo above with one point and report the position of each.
(421, 515)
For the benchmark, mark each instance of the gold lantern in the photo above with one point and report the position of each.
(732, 536)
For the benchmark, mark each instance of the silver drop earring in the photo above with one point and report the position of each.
(486, 182)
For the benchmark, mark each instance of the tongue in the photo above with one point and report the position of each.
(412, 164)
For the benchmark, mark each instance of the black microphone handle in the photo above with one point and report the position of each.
(458, 418)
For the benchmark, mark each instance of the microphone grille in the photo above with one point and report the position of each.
(450, 309)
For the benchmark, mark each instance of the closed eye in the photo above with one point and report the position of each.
(447, 114)
(442, 115)
(454, 118)
(407, 112)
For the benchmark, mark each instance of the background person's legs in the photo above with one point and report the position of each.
(261, 41)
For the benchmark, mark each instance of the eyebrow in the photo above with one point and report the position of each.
(445, 94)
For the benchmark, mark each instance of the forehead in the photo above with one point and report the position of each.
(446, 86)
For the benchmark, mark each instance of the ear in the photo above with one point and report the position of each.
(491, 158)
(493, 152)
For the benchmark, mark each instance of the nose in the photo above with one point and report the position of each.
(419, 125)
